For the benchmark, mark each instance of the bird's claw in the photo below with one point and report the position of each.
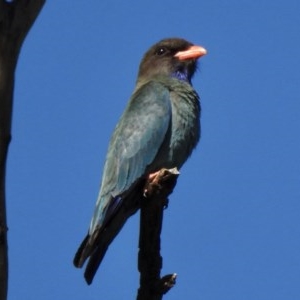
(159, 180)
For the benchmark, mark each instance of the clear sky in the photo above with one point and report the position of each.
(232, 229)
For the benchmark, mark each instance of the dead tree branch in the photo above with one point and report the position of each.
(157, 190)
(16, 18)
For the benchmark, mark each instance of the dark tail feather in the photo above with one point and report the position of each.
(104, 239)
(94, 263)
(80, 258)
(95, 246)
(90, 242)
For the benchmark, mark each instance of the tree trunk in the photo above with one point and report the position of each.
(16, 18)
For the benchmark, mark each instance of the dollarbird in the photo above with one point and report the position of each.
(159, 128)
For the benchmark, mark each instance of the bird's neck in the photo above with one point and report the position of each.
(181, 75)
(176, 77)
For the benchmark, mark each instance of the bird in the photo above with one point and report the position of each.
(159, 128)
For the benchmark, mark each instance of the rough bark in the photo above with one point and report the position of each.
(157, 190)
(16, 18)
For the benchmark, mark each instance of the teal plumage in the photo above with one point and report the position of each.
(158, 129)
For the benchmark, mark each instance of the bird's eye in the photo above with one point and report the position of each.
(161, 51)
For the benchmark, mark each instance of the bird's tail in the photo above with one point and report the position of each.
(94, 251)
(94, 246)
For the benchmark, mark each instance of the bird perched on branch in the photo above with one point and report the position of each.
(158, 129)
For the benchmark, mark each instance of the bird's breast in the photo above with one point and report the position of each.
(185, 124)
(184, 130)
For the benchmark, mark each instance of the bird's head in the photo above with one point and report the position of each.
(172, 57)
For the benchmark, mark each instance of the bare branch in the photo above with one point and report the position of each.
(16, 18)
(157, 190)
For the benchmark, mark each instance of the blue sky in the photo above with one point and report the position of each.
(232, 228)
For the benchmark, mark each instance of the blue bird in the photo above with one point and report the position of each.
(158, 129)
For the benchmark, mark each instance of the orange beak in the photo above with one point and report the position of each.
(192, 52)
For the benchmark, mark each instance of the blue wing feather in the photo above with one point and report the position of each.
(134, 144)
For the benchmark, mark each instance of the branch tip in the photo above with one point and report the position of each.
(167, 282)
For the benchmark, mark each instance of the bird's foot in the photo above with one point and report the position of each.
(164, 179)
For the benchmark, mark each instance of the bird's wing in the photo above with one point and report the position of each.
(134, 145)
